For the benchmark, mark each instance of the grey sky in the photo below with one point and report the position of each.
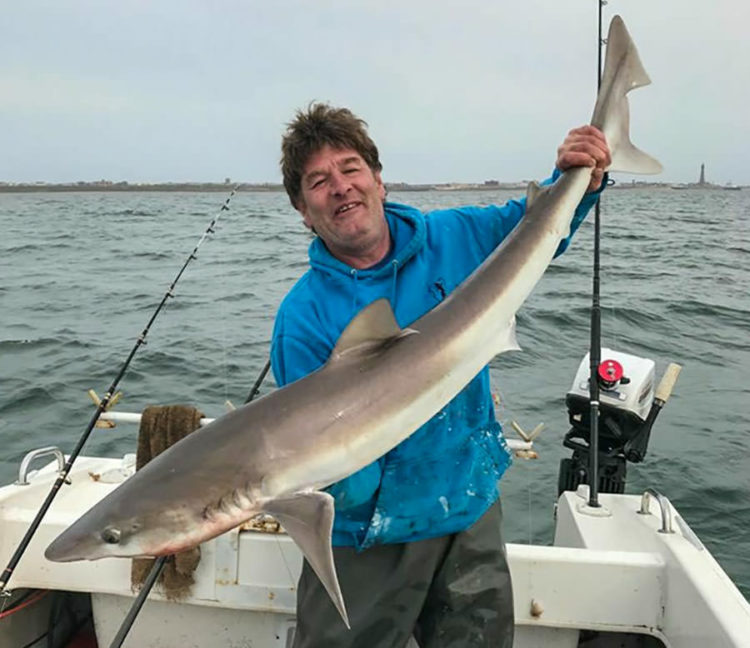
(462, 90)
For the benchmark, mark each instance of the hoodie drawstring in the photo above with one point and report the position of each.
(355, 277)
(394, 265)
(353, 273)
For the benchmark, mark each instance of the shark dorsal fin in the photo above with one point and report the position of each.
(374, 325)
(532, 191)
(308, 518)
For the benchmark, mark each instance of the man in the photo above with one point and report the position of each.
(416, 536)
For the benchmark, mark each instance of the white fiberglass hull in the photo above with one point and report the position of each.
(615, 575)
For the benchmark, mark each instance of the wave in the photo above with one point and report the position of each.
(39, 344)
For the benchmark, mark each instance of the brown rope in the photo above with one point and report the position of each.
(161, 427)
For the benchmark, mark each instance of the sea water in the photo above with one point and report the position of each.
(81, 274)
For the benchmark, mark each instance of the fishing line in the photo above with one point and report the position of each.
(102, 406)
(223, 331)
(504, 415)
(615, 332)
(160, 562)
(528, 474)
(292, 580)
(254, 391)
(613, 326)
(224, 337)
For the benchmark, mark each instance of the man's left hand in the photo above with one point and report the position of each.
(585, 146)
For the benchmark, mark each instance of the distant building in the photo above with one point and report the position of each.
(702, 179)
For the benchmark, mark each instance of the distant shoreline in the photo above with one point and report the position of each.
(106, 186)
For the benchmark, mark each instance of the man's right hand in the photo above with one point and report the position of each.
(585, 146)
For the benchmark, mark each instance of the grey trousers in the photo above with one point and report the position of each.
(449, 592)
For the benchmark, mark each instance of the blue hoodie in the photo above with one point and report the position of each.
(444, 476)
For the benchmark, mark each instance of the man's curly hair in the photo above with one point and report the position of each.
(311, 130)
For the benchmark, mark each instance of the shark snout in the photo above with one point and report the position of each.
(66, 548)
(73, 545)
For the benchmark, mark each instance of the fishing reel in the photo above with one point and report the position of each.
(628, 407)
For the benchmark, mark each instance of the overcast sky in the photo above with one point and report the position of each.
(453, 90)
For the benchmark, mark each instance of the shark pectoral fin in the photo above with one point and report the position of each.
(374, 325)
(506, 340)
(308, 518)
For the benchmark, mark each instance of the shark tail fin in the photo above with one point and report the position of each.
(623, 71)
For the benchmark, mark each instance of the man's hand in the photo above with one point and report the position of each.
(585, 146)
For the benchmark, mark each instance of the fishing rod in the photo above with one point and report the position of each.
(159, 563)
(102, 406)
(139, 601)
(595, 349)
(259, 381)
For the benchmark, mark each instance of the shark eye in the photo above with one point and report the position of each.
(111, 535)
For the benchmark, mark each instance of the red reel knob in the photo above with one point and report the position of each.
(610, 372)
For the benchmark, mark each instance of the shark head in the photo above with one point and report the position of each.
(138, 531)
(98, 540)
(134, 520)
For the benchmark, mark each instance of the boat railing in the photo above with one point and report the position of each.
(664, 505)
(133, 417)
(23, 471)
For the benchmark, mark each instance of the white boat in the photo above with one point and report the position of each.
(629, 573)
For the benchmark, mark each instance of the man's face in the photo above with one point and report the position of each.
(342, 200)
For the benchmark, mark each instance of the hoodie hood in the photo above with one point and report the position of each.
(407, 228)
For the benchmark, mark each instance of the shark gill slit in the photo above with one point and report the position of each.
(235, 504)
